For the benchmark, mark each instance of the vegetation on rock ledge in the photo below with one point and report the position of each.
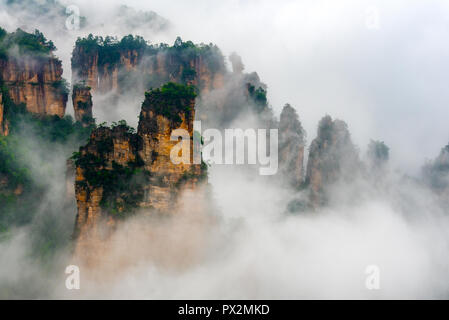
(170, 100)
(177, 62)
(27, 43)
(123, 186)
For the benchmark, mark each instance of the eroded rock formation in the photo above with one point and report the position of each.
(436, 174)
(155, 128)
(119, 172)
(110, 65)
(332, 158)
(82, 104)
(103, 170)
(30, 77)
(37, 82)
(131, 66)
(291, 147)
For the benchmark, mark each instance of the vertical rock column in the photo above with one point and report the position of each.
(332, 157)
(36, 82)
(82, 104)
(85, 66)
(291, 147)
(155, 128)
(120, 172)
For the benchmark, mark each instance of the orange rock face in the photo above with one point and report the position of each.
(129, 60)
(205, 79)
(87, 69)
(138, 164)
(160, 67)
(82, 104)
(106, 148)
(155, 130)
(36, 82)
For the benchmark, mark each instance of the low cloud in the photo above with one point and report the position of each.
(321, 57)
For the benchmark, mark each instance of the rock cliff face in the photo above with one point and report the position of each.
(36, 82)
(332, 158)
(155, 128)
(291, 147)
(436, 174)
(85, 66)
(103, 170)
(82, 104)
(105, 65)
(3, 122)
(131, 66)
(119, 172)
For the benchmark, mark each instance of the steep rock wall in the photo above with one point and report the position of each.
(119, 172)
(82, 104)
(36, 82)
(95, 170)
(291, 147)
(332, 158)
(155, 130)
(85, 66)
(106, 66)
(130, 66)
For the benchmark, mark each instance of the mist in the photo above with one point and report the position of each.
(368, 63)
(378, 65)
(253, 249)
